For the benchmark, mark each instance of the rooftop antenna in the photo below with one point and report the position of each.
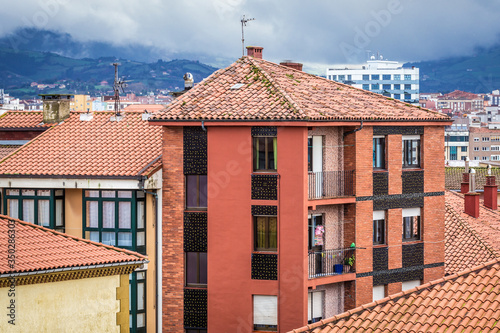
(117, 85)
(244, 24)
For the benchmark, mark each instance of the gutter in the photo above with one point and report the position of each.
(298, 120)
(354, 131)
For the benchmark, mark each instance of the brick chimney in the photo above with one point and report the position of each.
(294, 65)
(490, 192)
(55, 107)
(254, 51)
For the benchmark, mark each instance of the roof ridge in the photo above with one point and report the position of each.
(397, 296)
(276, 86)
(36, 226)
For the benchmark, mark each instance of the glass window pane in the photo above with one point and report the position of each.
(203, 267)
(140, 214)
(29, 211)
(261, 153)
(141, 238)
(92, 194)
(140, 296)
(139, 194)
(28, 192)
(108, 238)
(44, 213)
(141, 320)
(92, 214)
(260, 233)
(125, 215)
(108, 214)
(191, 191)
(191, 267)
(140, 275)
(59, 213)
(203, 191)
(124, 194)
(12, 192)
(108, 194)
(125, 239)
(13, 208)
(43, 193)
(270, 154)
(273, 233)
(92, 235)
(59, 193)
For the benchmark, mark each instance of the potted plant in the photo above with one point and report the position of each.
(348, 262)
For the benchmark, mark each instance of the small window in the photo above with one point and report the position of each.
(378, 227)
(375, 86)
(265, 313)
(196, 191)
(341, 77)
(397, 87)
(397, 96)
(386, 86)
(411, 224)
(378, 292)
(407, 76)
(476, 139)
(375, 77)
(366, 77)
(379, 152)
(265, 233)
(265, 153)
(486, 139)
(410, 284)
(411, 151)
(397, 77)
(315, 301)
(485, 148)
(476, 148)
(334, 77)
(386, 77)
(407, 97)
(196, 268)
(366, 86)
(484, 158)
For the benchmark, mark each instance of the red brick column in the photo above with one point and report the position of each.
(472, 204)
(490, 193)
(173, 231)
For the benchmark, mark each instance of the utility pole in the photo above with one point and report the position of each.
(244, 24)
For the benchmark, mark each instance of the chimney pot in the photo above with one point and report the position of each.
(294, 65)
(254, 51)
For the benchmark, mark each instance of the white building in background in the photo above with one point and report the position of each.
(384, 77)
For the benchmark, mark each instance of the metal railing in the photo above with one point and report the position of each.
(330, 184)
(331, 262)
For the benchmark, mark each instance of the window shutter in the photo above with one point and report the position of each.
(265, 310)
(317, 304)
(411, 212)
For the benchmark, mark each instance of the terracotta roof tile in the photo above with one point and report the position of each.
(98, 147)
(22, 120)
(471, 312)
(269, 91)
(39, 248)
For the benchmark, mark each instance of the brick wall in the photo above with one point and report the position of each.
(394, 237)
(393, 288)
(172, 231)
(394, 158)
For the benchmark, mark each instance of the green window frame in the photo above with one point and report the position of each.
(265, 153)
(138, 302)
(44, 207)
(115, 217)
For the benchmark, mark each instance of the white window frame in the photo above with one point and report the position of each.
(265, 312)
(315, 306)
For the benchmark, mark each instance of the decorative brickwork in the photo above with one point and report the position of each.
(413, 182)
(380, 183)
(264, 266)
(413, 255)
(264, 187)
(195, 308)
(403, 130)
(380, 258)
(398, 201)
(195, 151)
(195, 232)
(264, 131)
(264, 210)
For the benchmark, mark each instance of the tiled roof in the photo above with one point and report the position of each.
(464, 302)
(255, 89)
(5, 150)
(464, 247)
(458, 94)
(95, 148)
(143, 107)
(473, 129)
(38, 248)
(22, 120)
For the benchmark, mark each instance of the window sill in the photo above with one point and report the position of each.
(196, 209)
(412, 241)
(379, 245)
(201, 286)
(380, 170)
(264, 252)
(412, 168)
(265, 171)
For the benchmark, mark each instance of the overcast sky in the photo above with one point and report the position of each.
(317, 32)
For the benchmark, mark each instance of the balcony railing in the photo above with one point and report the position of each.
(331, 184)
(331, 262)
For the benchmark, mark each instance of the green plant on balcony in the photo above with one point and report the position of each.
(349, 261)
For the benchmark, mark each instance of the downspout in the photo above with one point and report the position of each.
(203, 126)
(355, 130)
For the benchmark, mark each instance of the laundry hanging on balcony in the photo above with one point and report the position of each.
(318, 235)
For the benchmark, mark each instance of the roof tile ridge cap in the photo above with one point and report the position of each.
(28, 143)
(277, 86)
(36, 226)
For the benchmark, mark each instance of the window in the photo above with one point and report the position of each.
(476, 148)
(410, 284)
(334, 77)
(386, 86)
(495, 138)
(196, 269)
(316, 232)
(397, 87)
(378, 227)
(407, 76)
(115, 218)
(265, 313)
(265, 153)
(378, 292)
(265, 233)
(375, 77)
(476, 139)
(494, 148)
(196, 191)
(476, 158)
(41, 207)
(397, 77)
(137, 305)
(366, 86)
(349, 77)
(386, 77)
(411, 151)
(486, 139)
(453, 153)
(495, 157)
(485, 148)
(464, 149)
(407, 96)
(411, 224)
(484, 158)
(407, 86)
(375, 86)
(379, 152)
(341, 77)
(397, 96)
(366, 77)
(315, 306)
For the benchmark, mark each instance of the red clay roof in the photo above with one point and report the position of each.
(464, 302)
(267, 91)
(38, 248)
(22, 120)
(143, 107)
(464, 247)
(458, 94)
(95, 148)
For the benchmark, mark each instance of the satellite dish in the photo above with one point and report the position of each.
(372, 57)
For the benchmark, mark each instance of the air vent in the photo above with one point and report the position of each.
(237, 86)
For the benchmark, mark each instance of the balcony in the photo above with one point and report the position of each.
(330, 184)
(331, 262)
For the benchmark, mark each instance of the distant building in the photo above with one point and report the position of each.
(384, 77)
(456, 142)
(460, 101)
(484, 144)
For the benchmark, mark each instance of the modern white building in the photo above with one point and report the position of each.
(384, 77)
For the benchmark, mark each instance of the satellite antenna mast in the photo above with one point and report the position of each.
(117, 85)
(244, 24)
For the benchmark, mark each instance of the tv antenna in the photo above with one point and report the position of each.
(118, 85)
(244, 24)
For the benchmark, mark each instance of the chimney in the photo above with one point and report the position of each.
(471, 201)
(490, 191)
(294, 65)
(55, 107)
(464, 186)
(254, 51)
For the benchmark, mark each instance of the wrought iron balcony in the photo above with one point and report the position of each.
(331, 184)
(331, 262)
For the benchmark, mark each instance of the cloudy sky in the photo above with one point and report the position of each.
(315, 32)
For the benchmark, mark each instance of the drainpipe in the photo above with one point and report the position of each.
(203, 126)
(355, 130)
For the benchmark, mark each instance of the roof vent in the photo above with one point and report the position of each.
(146, 115)
(237, 86)
(116, 118)
(86, 116)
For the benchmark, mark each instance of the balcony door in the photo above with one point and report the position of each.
(315, 163)
(316, 242)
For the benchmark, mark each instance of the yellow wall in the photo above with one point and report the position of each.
(73, 212)
(85, 305)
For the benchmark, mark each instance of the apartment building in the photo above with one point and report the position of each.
(460, 101)
(289, 198)
(388, 78)
(484, 144)
(456, 142)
